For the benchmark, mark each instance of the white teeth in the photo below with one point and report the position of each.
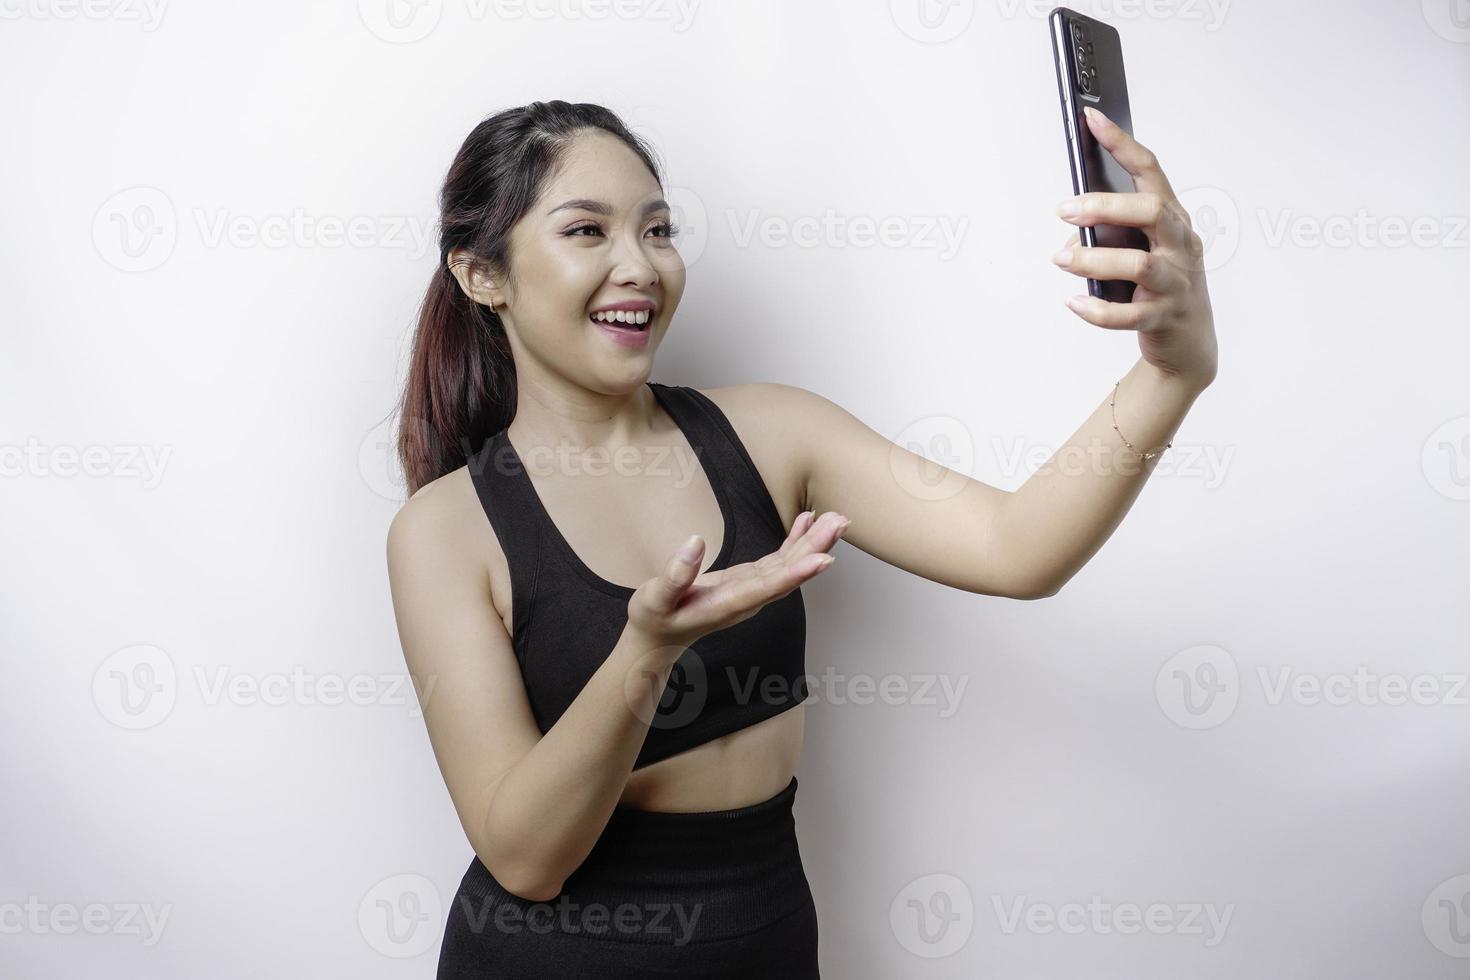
(622, 316)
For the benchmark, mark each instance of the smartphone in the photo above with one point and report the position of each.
(1089, 61)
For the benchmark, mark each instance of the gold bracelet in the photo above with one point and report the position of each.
(1147, 455)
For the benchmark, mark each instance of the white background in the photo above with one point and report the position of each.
(1310, 522)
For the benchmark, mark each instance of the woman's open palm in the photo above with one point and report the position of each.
(683, 604)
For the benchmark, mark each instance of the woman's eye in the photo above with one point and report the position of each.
(664, 230)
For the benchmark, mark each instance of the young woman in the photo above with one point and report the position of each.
(617, 715)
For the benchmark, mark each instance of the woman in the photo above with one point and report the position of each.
(622, 756)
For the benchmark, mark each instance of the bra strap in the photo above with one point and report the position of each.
(514, 520)
(726, 455)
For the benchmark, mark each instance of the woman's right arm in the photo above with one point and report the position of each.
(531, 806)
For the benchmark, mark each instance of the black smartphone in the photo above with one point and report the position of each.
(1089, 61)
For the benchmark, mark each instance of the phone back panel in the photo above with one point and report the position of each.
(1093, 167)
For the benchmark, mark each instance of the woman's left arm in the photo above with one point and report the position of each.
(1066, 511)
(1029, 542)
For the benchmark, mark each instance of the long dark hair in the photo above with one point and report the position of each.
(461, 386)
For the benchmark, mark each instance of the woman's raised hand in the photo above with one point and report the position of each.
(1171, 304)
(681, 605)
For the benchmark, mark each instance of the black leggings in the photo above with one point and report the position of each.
(711, 894)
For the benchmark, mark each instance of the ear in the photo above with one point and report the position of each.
(473, 279)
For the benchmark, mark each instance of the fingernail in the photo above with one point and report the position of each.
(1095, 113)
(1063, 258)
(1069, 208)
(690, 548)
(1076, 304)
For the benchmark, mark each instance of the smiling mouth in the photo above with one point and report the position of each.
(630, 326)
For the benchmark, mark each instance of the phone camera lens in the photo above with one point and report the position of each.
(1077, 34)
(1088, 80)
(1083, 59)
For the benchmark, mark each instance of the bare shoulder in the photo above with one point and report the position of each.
(772, 412)
(755, 394)
(769, 403)
(431, 511)
(762, 414)
(435, 532)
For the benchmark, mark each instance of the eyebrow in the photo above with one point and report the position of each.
(598, 207)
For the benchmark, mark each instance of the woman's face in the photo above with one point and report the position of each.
(599, 235)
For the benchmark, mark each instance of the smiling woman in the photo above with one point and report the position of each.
(630, 750)
(622, 757)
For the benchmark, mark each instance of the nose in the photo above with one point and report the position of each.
(631, 265)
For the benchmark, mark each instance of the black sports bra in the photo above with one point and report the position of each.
(566, 619)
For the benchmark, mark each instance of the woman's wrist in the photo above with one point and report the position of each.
(1193, 382)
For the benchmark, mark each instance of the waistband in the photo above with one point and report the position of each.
(666, 877)
(698, 826)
